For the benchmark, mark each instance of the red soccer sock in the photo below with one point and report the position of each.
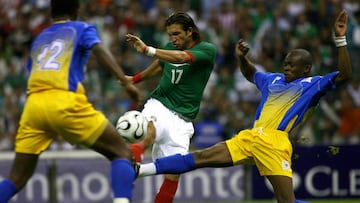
(167, 191)
(137, 150)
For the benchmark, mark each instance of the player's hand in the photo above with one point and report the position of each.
(136, 42)
(134, 92)
(340, 25)
(128, 79)
(242, 48)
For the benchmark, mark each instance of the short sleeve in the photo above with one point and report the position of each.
(260, 79)
(89, 37)
(328, 81)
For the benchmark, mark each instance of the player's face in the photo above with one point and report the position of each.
(293, 68)
(180, 38)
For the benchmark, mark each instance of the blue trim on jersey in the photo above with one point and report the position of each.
(85, 42)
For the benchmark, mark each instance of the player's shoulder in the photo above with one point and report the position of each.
(327, 76)
(82, 24)
(207, 44)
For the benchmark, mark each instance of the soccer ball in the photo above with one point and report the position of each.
(132, 126)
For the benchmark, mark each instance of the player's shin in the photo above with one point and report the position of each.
(7, 190)
(122, 176)
(175, 164)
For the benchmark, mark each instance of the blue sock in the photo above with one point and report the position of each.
(175, 164)
(300, 201)
(7, 189)
(122, 178)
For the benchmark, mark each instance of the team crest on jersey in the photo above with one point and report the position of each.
(307, 80)
(285, 165)
(276, 79)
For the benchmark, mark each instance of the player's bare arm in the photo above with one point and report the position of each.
(154, 69)
(171, 56)
(107, 60)
(344, 65)
(246, 66)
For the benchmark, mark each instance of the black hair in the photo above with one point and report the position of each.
(304, 55)
(185, 21)
(64, 8)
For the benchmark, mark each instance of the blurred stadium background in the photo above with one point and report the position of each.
(325, 147)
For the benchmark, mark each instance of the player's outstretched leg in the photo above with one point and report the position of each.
(174, 164)
(122, 173)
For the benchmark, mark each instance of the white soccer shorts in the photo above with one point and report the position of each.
(173, 133)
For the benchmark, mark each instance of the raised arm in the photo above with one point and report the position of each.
(246, 66)
(171, 56)
(344, 64)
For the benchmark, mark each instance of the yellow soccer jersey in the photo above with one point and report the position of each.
(58, 56)
(286, 105)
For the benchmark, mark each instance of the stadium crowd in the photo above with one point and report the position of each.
(271, 27)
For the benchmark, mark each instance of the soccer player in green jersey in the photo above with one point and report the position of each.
(288, 99)
(185, 63)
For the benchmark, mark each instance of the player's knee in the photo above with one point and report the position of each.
(123, 152)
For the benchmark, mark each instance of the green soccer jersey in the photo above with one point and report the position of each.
(182, 85)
